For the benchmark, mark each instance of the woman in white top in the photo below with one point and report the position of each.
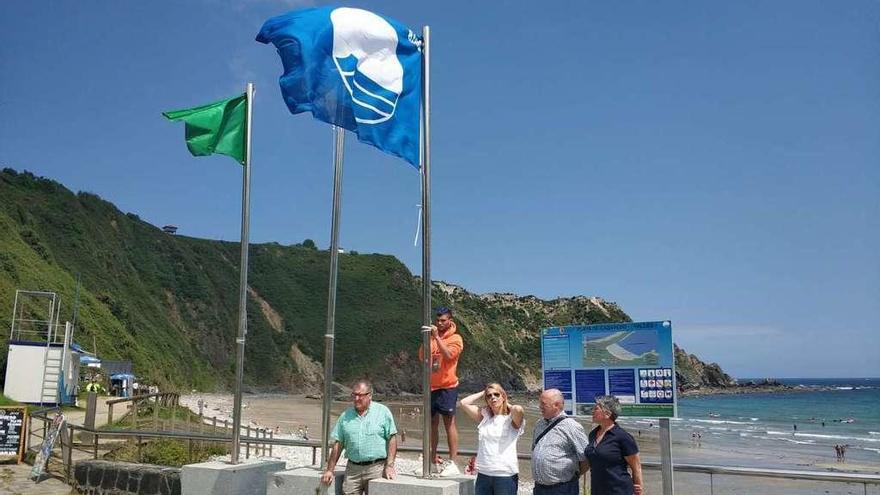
(500, 425)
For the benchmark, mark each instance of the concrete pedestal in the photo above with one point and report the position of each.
(303, 481)
(220, 478)
(410, 485)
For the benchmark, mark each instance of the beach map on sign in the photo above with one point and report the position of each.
(632, 361)
(626, 348)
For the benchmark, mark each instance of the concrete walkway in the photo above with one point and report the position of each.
(15, 479)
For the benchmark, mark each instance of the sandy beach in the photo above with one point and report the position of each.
(296, 416)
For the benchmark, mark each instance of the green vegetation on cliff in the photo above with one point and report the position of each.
(169, 303)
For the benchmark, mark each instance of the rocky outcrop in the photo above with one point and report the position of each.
(693, 374)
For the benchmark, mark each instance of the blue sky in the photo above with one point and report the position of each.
(712, 163)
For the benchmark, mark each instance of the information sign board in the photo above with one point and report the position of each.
(632, 361)
(13, 420)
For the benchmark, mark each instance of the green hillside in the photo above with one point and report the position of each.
(169, 303)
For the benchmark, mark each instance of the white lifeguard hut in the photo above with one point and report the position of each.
(42, 366)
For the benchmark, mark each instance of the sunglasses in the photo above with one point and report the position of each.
(493, 394)
(357, 395)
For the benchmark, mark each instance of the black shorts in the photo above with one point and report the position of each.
(443, 401)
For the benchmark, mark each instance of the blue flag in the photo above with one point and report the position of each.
(355, 69)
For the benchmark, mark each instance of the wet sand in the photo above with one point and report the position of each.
(295, 415)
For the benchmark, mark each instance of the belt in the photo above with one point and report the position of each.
(554, 485)
(367, 463)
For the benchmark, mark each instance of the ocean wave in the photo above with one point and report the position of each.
(719, 421)
(790, 440)
(871, 449)
(827, 437)
(840, 437)
(874, 433)
(843, 388)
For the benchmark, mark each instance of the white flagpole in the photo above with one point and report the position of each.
(426, 253)
(242, 285)
(330, 336)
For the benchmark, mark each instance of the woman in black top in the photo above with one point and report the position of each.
(610, 451)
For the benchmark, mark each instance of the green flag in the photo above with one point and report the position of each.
(217, 127)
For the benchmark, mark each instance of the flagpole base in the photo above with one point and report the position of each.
(221, 478)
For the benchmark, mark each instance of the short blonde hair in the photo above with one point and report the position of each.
(505, 407)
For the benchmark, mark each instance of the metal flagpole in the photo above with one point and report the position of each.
(426, 253)
(329, 337)
(242, 284)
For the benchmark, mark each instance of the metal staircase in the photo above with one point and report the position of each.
(52, 370)
(54, 366)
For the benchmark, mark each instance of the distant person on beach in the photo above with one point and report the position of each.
(367, 433)
(611, 451)
(446, 347)
(499, 425)
(558, 446)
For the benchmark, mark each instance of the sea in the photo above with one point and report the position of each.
(799, 428)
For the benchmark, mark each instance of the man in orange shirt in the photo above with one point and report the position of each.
(446, 347)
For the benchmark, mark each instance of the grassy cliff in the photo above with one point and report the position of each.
(169, 303)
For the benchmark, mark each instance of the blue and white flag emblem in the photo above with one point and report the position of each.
(355, 69)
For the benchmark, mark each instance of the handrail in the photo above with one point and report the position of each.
(873, 479)
(140, 397)
(867, 478)
(838, 477)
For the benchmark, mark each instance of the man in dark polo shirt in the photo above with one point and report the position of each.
(367, 433)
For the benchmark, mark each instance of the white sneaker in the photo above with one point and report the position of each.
(450, 470)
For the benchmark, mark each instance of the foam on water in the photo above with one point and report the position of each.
(830, 437)
(790, 440)
(718, 421)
